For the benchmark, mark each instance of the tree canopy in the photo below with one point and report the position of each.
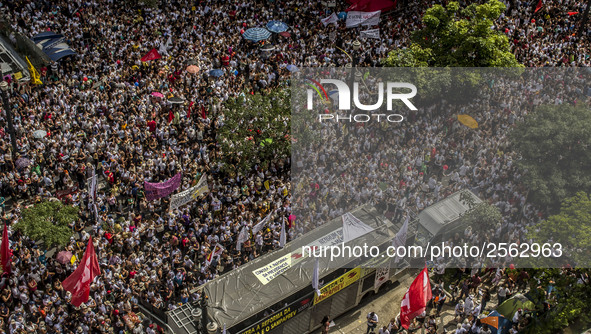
(554, 142)
(457, 37)
(48, 222)
(571, 228)
(256, 129)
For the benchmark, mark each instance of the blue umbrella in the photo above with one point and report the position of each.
(216, 73)
(292, 68)
(277, 26)
(256, 34)
(342, 15)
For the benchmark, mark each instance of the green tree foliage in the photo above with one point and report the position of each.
(480, 215)
(554, 143)
(457, 37)
(48, 222)
(256, 130)
(571, 227)
(570, 300)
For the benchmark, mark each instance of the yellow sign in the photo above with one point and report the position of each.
(18, 75)
(266, 184)
(338, 284)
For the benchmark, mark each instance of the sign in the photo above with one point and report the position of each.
(275, 320)
(382, 276)
(338, 284)
(355, 18)
(371, 33)
(333, 238)
(189, 195)
(269, 272)
(162, 189)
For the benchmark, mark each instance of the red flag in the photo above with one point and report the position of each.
(416, 298)
(572, 13)
(153, 54)
(170, 116)
(203, 112)
(5, 252)
(189, 112)
(79, 282)
(538, 6)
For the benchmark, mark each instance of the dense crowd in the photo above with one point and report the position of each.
(100, 116)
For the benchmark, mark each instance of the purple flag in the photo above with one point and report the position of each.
(163, 189)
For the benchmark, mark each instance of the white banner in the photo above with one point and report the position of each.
(355, 19)
(269, 272)
(242, 237)
(333, 18)
(371, 33)
(400, 238)
(189, 195)
(382, 275)
(353, 228)
(261, 224)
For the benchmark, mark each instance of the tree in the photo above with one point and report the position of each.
(569, 300)
(479, 215)
(48, 222)
(256, 130)
(570, 228)
(554, 142)
(457, 37)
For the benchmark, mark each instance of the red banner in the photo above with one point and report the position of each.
(153, 54)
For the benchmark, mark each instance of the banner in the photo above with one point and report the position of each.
(371, 33)
(353, 228)
(242, 237)
(189, 195)
(92, 185)
(338, 284)
(333, 18)
(382, 276)
(163, 189)
(276, 319)
(269, 272)
(355, 18)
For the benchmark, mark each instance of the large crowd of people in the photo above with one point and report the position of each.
(100, 116)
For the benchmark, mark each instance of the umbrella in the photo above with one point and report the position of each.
(216, 73)
(285, 34)
(267, 48)
(277, 26)
(176, 100)
(468, 121)
(292, 68)
(64, 257)
(39, 134)
(256, 34)
(511, 305)
(192, 69)
(342, 15)
(157, 94)
(22, 163)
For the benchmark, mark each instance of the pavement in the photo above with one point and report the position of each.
(386, 303)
